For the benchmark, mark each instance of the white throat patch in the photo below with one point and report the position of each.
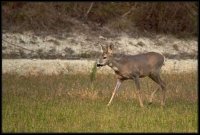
(110, 64)
(115, 68)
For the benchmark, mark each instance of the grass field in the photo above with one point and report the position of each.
(71, 103)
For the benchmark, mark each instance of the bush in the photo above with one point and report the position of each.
(167, 17)
(164, 17)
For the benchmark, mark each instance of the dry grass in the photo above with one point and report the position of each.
(71, 103)
(167, 17)
(164, 17)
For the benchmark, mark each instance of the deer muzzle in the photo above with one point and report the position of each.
(99, 64)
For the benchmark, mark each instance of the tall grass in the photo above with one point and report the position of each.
(66, 103)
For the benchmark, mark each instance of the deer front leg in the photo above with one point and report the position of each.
(163, 86)
(152, 95)
(139, 95)
(114, 92)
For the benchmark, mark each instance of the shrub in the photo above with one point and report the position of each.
(164, 17)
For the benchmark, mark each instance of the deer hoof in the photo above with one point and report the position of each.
(142, 105)
(162, 105)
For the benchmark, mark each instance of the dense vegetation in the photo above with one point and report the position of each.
(162, 17)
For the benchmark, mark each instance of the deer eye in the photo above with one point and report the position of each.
(104, 57)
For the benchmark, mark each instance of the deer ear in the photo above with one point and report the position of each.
(103, 49)
(110, 48)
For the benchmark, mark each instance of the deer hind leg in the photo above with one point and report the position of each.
(138, 92)
(115, 90)
(156, 78)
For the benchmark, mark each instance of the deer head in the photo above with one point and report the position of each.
(107, 54)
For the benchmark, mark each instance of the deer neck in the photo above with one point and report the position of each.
(114, 65)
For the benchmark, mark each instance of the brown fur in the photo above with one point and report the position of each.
(134, 67)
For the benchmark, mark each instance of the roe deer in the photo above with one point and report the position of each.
(134, 67)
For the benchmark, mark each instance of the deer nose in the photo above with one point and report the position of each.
(99, 65)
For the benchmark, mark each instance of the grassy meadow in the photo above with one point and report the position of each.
(71, 103)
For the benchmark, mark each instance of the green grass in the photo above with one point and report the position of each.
(69, 103)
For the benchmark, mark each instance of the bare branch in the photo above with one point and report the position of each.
(130, 10)
(11, 44)
(89, 9)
